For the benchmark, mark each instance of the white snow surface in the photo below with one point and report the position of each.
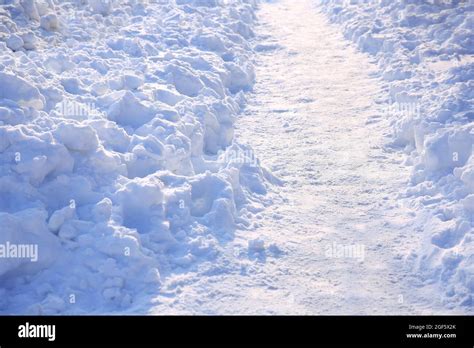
(347, 232)
(116, 124)
(237, 156)
(424, 52)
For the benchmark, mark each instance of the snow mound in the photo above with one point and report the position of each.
(116, 140)
(425, 53)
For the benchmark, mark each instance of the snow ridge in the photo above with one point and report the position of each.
(425, 52)
(116, 146)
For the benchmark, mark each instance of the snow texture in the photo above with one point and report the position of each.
(424, 50)
(115, 118)
(118, 157)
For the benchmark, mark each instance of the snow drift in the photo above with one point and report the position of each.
(424, 50)
(116, 126)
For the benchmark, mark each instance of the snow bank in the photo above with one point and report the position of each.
(425, 53)
(116, 146)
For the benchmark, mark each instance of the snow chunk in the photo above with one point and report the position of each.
(131, 81)
(141, 202)
(19, 90)
(167, 96)
(27, 227)
(29, 40)
(129, 111)
(466, 174)
(30, 9)
(447, 150)
(77, 137)
(59, 217)
(14, 42)
(102, 210)
(185, 81)
(50, 22)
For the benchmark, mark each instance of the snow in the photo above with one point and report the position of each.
(208, 156)
(15, 42)
(334, 186)
(112, 122)
(343, 234)
(30, 8)
(424, 53)
(49, 22)
(21, 91)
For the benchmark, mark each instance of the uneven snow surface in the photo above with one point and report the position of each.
(424, 51)
(237, 156)
(114, 121)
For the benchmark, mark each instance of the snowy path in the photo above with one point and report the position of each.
(314, 121)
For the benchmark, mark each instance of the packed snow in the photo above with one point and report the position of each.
(242, 156)
(424, 51)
